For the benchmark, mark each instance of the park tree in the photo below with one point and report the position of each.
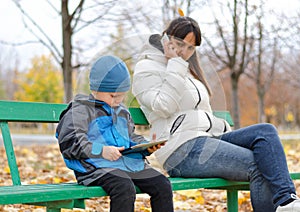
(261, 69)
(41, 83)
(73, 21)
(231, 46)
(283, 98)
(85, 25)
(290, 78)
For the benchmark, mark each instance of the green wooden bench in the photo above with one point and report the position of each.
(70, 195)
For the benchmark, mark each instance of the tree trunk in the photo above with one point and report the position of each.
(67, 48)
(235, 101)
(261, 106)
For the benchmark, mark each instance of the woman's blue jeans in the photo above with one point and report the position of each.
(253, 154)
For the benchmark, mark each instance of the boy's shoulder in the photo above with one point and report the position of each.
(81, 98)
(75, 105)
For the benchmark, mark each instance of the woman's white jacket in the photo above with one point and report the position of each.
(172, 99)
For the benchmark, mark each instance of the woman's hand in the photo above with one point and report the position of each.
(169, 49)
(111, 153)
(156, 147)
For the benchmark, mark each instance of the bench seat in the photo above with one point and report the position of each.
(72, 195)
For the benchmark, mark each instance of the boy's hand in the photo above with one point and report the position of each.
(111, 153)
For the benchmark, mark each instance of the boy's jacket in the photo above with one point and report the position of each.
(86, 126)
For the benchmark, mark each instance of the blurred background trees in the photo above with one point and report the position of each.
(41, 83)
(251, 46)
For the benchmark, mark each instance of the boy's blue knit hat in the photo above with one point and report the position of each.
(109, 74)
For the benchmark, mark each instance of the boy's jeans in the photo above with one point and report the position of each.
(253, 154)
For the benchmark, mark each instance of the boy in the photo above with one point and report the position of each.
(94, 130)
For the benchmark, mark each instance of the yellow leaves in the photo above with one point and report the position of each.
(142, 202)
(292, 152)
(192, 194)
(243, 197)
(73, 210)
(56, 180)
(144, 209)
(200, 200)
(39, 181)
(42, 82)
(38, 165)
(289, 117)
(6, 170)
(188, 199)
(27, 152)
(180, 12)
(24, 151)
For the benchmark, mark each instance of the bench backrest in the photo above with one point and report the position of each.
(140, 119)
(13, 111)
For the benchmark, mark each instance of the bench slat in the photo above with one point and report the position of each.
(41, 193)
(295, 175)
(212, 183)
(30, 111)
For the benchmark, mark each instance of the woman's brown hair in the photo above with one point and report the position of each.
(179, 28)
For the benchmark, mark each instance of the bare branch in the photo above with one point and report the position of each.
(51, 46)
(18, 44)
(245, 41)
(77, 11)
(224, 41)
(53, 7)
(214, 50)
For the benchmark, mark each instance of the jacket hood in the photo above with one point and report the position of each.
(155, 41)
(153, 50)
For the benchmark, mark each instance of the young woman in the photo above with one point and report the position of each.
(174, 95)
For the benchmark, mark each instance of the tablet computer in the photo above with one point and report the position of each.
(141, 147)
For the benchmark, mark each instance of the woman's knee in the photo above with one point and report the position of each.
(266, 132)
(268, 128)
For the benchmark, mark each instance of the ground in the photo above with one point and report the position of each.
(44, 164)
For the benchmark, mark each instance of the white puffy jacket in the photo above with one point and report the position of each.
(167, 91)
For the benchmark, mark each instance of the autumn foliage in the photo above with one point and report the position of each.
(41, 83)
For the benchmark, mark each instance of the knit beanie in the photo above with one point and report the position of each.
(109, 74)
